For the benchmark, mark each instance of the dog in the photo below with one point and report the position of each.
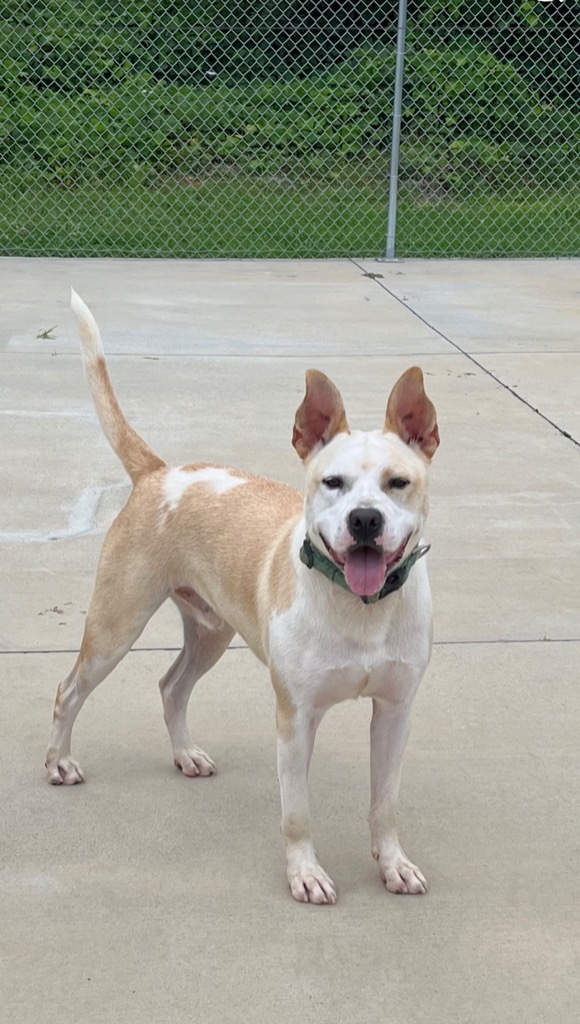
(329, 590)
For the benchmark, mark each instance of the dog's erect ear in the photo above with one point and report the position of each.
(411, 415)
(320, 416)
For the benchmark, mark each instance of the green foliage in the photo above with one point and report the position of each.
(473, 118)
(540, 39)
(70, 45)
(467, 116)
(118, 113)
(76, 44)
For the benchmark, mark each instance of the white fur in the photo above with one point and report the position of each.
(179, 480)
(327, 511)
(333, 647)
(92, 345)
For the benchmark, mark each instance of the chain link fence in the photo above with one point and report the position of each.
(184, 128)
(490, 150)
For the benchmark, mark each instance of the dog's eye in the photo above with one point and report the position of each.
(334, 483)
(397, 483)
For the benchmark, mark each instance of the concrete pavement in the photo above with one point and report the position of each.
(144, 896)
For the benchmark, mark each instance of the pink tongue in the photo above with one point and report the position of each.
(365, 570)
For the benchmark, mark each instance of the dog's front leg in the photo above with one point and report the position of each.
(390, 728)
(297, 727)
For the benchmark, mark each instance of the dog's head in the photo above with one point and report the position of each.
(366, 494)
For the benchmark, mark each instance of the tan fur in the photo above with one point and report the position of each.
(285, 710)
(401, 470)
(295, 828)
(137, 457)
(278, 585)
(219, 545)
(321, 415)
(411, 414)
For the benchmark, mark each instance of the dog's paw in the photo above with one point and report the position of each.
(312, 885)
(64, 772)
(193, 762)
(400, 876)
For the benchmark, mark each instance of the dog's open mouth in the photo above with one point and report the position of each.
(365, 566)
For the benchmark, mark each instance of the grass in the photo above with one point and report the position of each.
(229, 218)
(488, 225)
(239, 217)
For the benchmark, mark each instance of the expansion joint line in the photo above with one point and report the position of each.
(467, 355)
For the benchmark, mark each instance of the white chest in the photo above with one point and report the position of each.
(324, 682)
(324, 662)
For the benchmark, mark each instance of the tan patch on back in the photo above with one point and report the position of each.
(221, 544)
(194, 467)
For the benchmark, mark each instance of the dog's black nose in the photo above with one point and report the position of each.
(365, 524)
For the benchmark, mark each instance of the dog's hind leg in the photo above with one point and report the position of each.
(122, 604)
(205, 638)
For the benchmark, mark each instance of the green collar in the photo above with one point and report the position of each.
(314, 559)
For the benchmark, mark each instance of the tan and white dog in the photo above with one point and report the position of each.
(326, 636)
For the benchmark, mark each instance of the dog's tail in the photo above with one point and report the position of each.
(137, 457)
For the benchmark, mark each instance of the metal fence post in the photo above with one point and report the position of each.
(396, 139)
